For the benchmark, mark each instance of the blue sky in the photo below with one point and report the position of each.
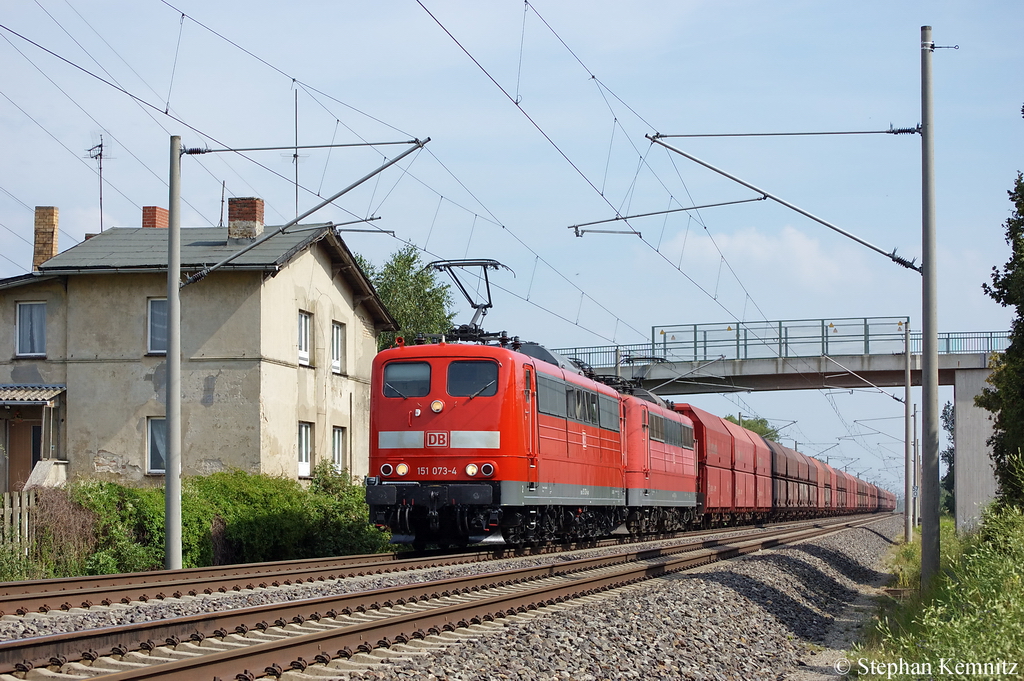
(504, 180)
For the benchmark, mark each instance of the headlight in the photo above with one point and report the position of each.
(471, 469)
(402, 468)
(386, 469)
(487, 469)
(436, 406)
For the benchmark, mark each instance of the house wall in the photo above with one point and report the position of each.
(49, 370)
(315, 393)
(243, 390)
(114, 385)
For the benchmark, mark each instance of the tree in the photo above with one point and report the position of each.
(758, 425)
(1005, 399)
(948, 457)
(412, 294)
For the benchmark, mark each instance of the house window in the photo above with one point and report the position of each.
(338, 348)
(305, 448)
(338, 449)
(304, 345)
(156, 456)
(157, 326)
(31, 329)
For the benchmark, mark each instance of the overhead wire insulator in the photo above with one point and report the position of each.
(900, 260)
(904, 131)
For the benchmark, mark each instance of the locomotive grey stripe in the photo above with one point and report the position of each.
(456, 439)
(400, 439)
(476, 439)
(517, 493)
(660, 497)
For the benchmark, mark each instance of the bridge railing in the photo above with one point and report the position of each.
(782, 339)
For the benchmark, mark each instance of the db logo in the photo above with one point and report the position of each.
(437, 439)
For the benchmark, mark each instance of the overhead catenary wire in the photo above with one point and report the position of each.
(300, 83)
(152, 106)
(145, 110)
(602, 88)
(656, 138)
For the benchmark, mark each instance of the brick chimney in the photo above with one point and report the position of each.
(154, 216)
(245, 218)
(46, 235)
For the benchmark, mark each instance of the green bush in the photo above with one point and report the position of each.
(230, 517)
(974, 611)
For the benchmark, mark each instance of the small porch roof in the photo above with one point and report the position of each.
(11, 395)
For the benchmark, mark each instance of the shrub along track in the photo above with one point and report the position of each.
(293, 635)
(73, 593)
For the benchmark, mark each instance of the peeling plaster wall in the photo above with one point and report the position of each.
(114, 385)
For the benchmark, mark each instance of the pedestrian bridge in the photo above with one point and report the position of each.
(811, 354)
(786, 355)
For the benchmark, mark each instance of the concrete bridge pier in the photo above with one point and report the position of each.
(973, 477)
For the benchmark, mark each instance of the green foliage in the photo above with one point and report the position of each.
(412, 294)
(16, 566)
(758, 425)
(1004, 398)
(975, 608)
(946, 485)
(129, 526)
(226, 518)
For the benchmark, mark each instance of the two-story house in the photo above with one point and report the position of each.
(276, 352)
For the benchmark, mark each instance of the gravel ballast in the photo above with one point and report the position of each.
(763, 616)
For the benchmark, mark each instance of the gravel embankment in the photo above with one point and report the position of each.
(764, 616)
(57, 621)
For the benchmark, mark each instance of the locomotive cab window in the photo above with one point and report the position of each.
(406, 379)
(472, 378)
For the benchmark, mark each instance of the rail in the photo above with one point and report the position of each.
(783, 339)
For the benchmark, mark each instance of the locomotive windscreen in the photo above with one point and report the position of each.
(470, 378)
(406, 379)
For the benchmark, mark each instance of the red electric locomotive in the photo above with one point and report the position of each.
(478, 442)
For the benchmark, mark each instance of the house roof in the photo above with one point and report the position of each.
(127, 248)
(140, 249)
(28, 394)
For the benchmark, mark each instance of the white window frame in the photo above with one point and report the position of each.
(19, 324)
(338, 347)
(305, 347)
(150, 423)
(339, 449)
(150, 347)
(305, 447)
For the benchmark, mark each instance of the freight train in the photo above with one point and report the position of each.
(509, 442)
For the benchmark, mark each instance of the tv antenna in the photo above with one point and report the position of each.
(295, 155)
(96, 152)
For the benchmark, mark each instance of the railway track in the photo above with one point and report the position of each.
(78, 593)
(331, 632)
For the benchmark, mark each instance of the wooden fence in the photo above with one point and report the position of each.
(16, 526)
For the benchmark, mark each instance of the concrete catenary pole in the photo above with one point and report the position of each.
(172, 466)
(908, 483)
(929, 347)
